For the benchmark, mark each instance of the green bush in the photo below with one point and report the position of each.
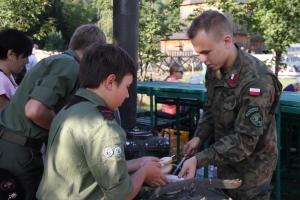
(55, 41)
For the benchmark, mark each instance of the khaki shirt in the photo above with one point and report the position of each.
(85, 155)
(51, 81)
(239, 115)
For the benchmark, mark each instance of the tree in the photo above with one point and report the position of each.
(158, 19)
(25, 15)
(277, 21)
(105, 15)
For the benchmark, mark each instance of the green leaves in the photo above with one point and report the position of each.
(277, 21)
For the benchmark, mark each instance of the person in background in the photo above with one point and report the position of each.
(32, 60)
(176, 73)
(294, 87)
(242, 95)
(89, 141)
(15, 47)
(25, 121)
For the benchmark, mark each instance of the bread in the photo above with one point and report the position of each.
(167, 165)
(166, 160)
(173, 178)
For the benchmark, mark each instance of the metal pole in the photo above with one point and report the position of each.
(125, 34)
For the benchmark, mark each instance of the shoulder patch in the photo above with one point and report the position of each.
(106, 112)
(253, 114)
(254, 91)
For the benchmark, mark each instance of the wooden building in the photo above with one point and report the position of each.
(179, 44)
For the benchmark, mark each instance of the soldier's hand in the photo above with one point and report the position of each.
(191, 147)
(154, 177)
(189, 168)
(144, 160)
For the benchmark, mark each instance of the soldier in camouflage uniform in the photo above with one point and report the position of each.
(85, 154)
(239, 113)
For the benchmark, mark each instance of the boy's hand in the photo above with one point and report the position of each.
(154, 177)
(144, 160)
(188, 169)
(191, 147)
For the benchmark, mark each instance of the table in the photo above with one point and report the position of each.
(289, 104)
(172, 90)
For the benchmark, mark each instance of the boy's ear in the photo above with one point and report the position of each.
(108, 83)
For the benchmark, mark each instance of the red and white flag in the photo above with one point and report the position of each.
(254, 91)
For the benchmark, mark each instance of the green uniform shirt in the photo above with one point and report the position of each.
(239, 114)
(51, 81)
(85, 155)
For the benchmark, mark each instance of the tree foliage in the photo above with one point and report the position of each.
(158, 19)
(105, 15)
(277, 21)
(39, 18)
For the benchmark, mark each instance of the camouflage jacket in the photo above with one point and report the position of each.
(239, 115)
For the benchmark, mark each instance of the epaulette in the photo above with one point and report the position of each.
(106, 112)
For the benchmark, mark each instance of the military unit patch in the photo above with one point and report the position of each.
(233, 78)
(254, 116)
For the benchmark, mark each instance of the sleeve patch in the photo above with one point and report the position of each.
(254, 91)
(112, 151)
(253, 114)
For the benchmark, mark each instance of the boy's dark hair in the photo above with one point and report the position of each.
(101, 60)
(15, 40)
(85, 35)
(210, 21)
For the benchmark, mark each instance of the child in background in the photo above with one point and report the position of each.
(15, 47)
(176, 73)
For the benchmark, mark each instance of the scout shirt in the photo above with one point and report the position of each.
(239, 115)
(51, 81)
(85, 155)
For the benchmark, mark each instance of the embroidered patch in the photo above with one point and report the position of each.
(254, 92)
(108, 152)
(118, 151)
(233, 79)
(254, 116)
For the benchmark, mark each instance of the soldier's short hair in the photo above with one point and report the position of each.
(85, 35)
(15, 40)
(101, 60)
(210, 21)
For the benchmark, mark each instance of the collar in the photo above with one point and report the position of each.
(233, 76)
(72, 53)
(90, 96)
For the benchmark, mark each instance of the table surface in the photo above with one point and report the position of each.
(172, 88)
(290, 99)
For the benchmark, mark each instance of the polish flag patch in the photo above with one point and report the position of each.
(254, 92)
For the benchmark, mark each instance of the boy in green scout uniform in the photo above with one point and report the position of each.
(239, 113)
(85, 155)
(25, 121)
